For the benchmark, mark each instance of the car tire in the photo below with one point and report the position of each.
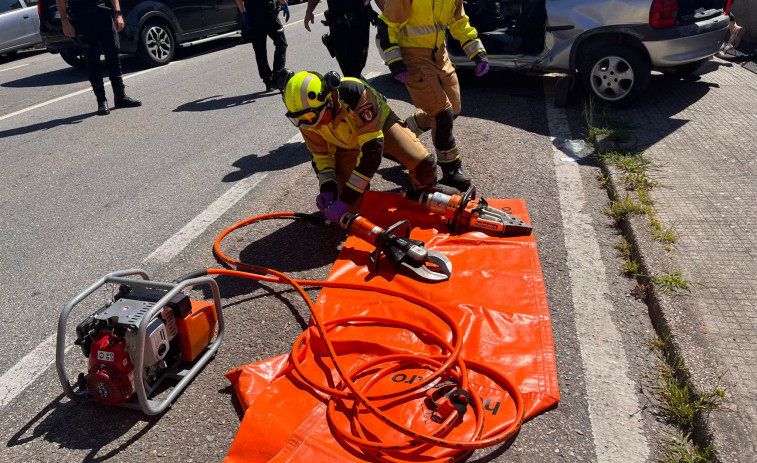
(156, 44)
(615, 74)
(74, 58)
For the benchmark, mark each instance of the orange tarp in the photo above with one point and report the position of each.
(496, 294)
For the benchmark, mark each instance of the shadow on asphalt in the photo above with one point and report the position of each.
(70, 425)
(492, 96)
(214, 102)
(46, 125)
(129, 64)
(282, 158)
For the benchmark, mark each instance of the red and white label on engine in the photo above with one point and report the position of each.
(106, 356)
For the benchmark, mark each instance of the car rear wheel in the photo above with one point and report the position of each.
(615, 74)
(74, 58)
(156, 44)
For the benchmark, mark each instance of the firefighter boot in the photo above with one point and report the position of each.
(121, 100)
(453, 175)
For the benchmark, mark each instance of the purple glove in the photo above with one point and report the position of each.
(324, 200)
(482, 67)
(336, 211)
(401, 77)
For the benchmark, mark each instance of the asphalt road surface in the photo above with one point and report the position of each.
(82, 195)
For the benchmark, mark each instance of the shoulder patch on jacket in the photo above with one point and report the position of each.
(367, 112)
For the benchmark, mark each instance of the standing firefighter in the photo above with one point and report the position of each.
(348, 126)
(349, 24)
(412, 39)
(261, 18)
(98, 24)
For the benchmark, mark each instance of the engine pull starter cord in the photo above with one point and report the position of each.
(448, 364)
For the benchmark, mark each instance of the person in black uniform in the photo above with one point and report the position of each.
(98, 24)
(263, 22)
(349, 24)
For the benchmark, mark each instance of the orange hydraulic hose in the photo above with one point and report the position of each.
(449, 362)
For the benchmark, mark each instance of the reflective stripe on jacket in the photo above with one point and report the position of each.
(422, 23)
(357, 126)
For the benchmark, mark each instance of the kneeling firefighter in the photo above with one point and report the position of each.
(348, 126)
(411, 36)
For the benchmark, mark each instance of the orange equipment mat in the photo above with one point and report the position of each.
(496, 294)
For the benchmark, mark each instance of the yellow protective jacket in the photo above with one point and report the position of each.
(357, 125)
(422, 23)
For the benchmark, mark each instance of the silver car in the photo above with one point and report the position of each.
(19, 25)
(610, 45)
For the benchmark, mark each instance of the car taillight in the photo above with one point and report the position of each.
(663, 13)
(39, 10)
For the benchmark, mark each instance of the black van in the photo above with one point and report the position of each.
(153, 28)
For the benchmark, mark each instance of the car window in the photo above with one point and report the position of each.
(8, 5)
(30, 2)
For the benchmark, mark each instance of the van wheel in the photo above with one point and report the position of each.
(74, 58)
(156, 44)
(617, 75)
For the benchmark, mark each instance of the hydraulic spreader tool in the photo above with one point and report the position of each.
(465, 212)
(400, 251)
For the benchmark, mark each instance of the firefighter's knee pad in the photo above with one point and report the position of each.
(424, 173)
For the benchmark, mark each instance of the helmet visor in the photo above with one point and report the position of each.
(307, 117)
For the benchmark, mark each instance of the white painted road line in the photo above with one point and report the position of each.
(42, 357)
(193, 229)
(65, 97)
(14, 67)
(79, 92)
(617, 428)
(21, 375)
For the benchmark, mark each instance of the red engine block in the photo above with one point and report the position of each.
(110, 379)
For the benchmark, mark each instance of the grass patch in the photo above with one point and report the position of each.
(631, 269)
(598, 121)
(666, 236)
(681, 405)
(680, 449)
(620, 208)
(671, 282)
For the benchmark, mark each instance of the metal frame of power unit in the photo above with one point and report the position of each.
(185, 376)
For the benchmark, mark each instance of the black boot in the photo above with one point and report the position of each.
(121, 100)
(453, 175)
(126, 102)
(102, 108)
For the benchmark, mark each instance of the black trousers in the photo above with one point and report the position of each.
(264, 24)
(98, 34)
(351, 46)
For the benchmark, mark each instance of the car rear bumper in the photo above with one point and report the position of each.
(697, 41)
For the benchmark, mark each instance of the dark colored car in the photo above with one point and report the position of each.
(153, 28)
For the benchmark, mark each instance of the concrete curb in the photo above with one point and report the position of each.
(673, 318)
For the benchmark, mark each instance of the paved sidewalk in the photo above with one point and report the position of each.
(701, 137)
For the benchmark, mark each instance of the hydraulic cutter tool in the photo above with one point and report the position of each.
(465, 212)
(401, 251)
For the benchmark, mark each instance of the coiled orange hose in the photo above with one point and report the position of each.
(448, 363)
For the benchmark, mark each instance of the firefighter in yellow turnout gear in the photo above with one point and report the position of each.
(348, 126)
(412, 40)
